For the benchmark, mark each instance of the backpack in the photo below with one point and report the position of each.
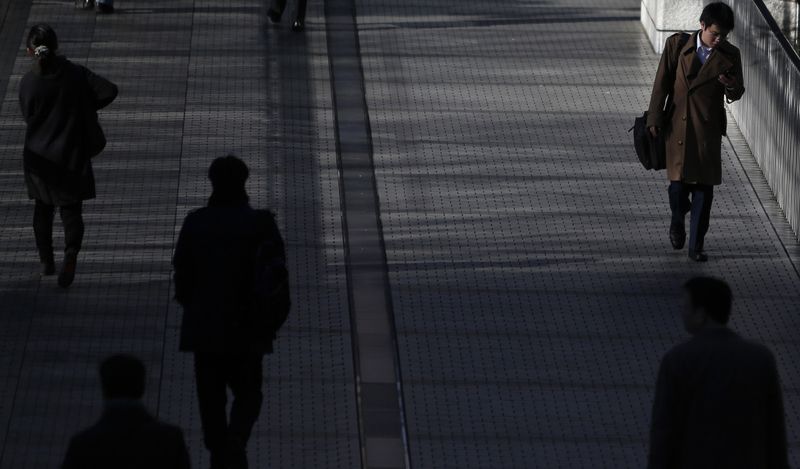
(271, 300)
(651, 150)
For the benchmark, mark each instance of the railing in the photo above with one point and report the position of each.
(769, 112)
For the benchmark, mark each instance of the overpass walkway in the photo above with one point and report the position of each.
(481, 271)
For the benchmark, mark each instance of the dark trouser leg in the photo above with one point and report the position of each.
(278, 6)
(43, 230)
(678, 203)
(245, 380)
(209, 372)
(702, 196)
(301, 10)
(72, 217)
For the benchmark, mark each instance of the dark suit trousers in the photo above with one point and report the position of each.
(214, 373)
(71, 216)
(700, 207)
(280, 6)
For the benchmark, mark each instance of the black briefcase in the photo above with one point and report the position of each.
(651, 150)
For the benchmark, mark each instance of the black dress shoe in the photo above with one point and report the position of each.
(677, 236)
(273, 16)
(105, 8)
(698, 256)
(298, 25)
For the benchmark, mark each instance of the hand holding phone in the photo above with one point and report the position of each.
(728, 78)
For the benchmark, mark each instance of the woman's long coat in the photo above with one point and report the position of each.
(60, 106)
(695, 121)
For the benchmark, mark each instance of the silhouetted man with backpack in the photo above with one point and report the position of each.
(231, 279)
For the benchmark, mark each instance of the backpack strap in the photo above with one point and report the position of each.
(674, 60)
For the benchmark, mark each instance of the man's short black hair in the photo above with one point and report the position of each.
(718, 13)
(122, 377)
(711, 294)
(228, 173)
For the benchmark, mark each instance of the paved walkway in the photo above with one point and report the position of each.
(530, 278)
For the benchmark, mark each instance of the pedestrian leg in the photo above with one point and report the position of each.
(72, 217)
(680, 205)
(43, 215)
(275, 10)
(702, 196)
(209, 372)
(245, 380)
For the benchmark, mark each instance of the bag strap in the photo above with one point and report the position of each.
(674, 62)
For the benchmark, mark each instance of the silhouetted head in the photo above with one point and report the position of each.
(708, 303)
(123, 377)
(42, 43)
(716, 22)
(228, 175)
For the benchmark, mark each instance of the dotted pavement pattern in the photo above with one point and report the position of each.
(533, 283)
(198, 79)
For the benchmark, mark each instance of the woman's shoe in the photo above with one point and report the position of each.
(298, 25)
(48, 268)
(67, 274)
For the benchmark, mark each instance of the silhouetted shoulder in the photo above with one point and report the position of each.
(112, 444)
(722, 344)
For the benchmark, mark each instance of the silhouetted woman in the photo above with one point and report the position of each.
(59, 101)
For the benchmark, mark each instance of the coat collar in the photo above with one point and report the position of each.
(718, 62)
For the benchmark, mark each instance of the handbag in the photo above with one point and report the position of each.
(651, 150)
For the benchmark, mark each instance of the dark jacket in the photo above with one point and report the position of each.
(696, 121)
(127, 437)
(718, 405)
(60, 106)
(214, 265)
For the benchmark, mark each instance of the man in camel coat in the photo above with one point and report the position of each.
(697, 73)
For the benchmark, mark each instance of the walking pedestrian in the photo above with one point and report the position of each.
(694, 78)
(227, 254)
(126, 436)
(59, 102)
(718, 401)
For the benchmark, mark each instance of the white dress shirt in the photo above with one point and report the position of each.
(702, 51)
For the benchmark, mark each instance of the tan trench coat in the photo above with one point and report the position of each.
(693, 125)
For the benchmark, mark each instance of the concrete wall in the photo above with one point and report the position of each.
(787, 15)
(662, 18)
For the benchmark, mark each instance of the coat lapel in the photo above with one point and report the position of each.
(686, 56)
(716, 64)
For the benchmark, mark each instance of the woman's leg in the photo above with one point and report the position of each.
(43, 232)
(72, 217)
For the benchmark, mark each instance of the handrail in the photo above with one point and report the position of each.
(769, 112)
(776, 29)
